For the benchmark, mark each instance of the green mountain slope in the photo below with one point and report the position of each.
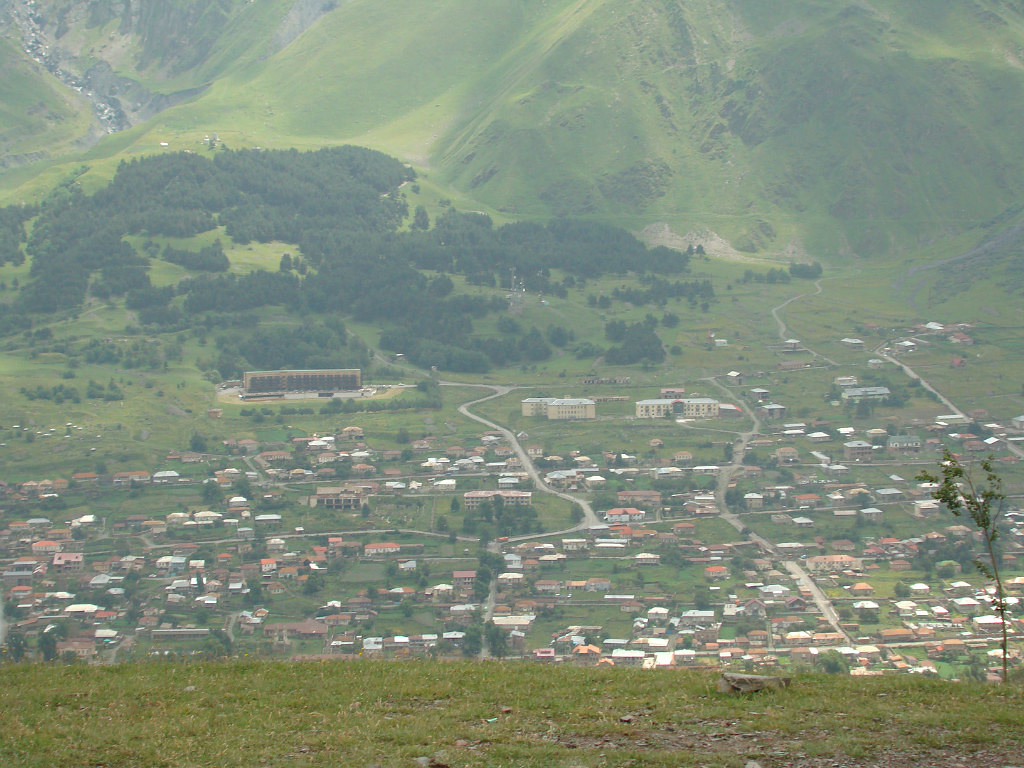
(37, 115)
(816, 125)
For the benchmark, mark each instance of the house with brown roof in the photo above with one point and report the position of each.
(122, 479)
(352, 433)
(80, 647)
(643, 499)
(68, 562)
(286, 631)
(787, 454)
(896, 635)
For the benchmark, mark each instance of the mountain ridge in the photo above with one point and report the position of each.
(833, 127)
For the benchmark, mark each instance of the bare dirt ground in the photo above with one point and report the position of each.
(715, 245)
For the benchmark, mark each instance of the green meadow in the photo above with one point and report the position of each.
(473, 714)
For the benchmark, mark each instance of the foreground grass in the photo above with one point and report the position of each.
(247, 714)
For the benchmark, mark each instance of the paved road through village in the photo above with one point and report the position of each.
(589, 517)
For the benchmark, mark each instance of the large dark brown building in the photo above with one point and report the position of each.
(326, 380)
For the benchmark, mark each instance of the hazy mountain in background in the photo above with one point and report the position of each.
(836, 127)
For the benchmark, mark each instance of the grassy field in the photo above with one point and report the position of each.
(467, 714)
(423, 512)
(894, 522)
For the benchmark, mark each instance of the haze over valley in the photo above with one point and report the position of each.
(580, 333)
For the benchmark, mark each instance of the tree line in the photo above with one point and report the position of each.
(343, 209)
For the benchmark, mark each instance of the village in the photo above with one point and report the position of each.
(779, 543)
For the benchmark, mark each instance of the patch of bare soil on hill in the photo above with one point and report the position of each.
(660, 233)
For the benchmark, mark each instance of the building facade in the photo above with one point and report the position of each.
(686, 407)
(279, 382)
(560, 409)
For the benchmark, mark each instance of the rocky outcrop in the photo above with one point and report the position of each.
(732, 682)
(166, 38)
(302, 15)
(170, 38)
(39, 28)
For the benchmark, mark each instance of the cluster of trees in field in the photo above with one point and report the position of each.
(254, 195)
(12, 232)
(342, 209)
(634, 342)
(13, 321)
(208, 259)
(810, 271)
(806, 271)
(61, 393)
(657, 290)
(469, 244)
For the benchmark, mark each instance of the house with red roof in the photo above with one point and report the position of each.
(716, 572)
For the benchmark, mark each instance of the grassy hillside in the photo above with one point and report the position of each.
(243, 714)
(38, 118)
(816, 125)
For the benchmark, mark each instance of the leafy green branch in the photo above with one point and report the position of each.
(983, 501)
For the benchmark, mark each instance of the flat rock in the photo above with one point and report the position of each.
(732, 682)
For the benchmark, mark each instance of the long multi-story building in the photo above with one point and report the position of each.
(560, 409)
(335, 497)
(687, 407)
(473, 499)
(858, 394)
(833, 563)
(323, 380)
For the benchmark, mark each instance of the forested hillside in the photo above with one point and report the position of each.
(342, 209)
(819, 126)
